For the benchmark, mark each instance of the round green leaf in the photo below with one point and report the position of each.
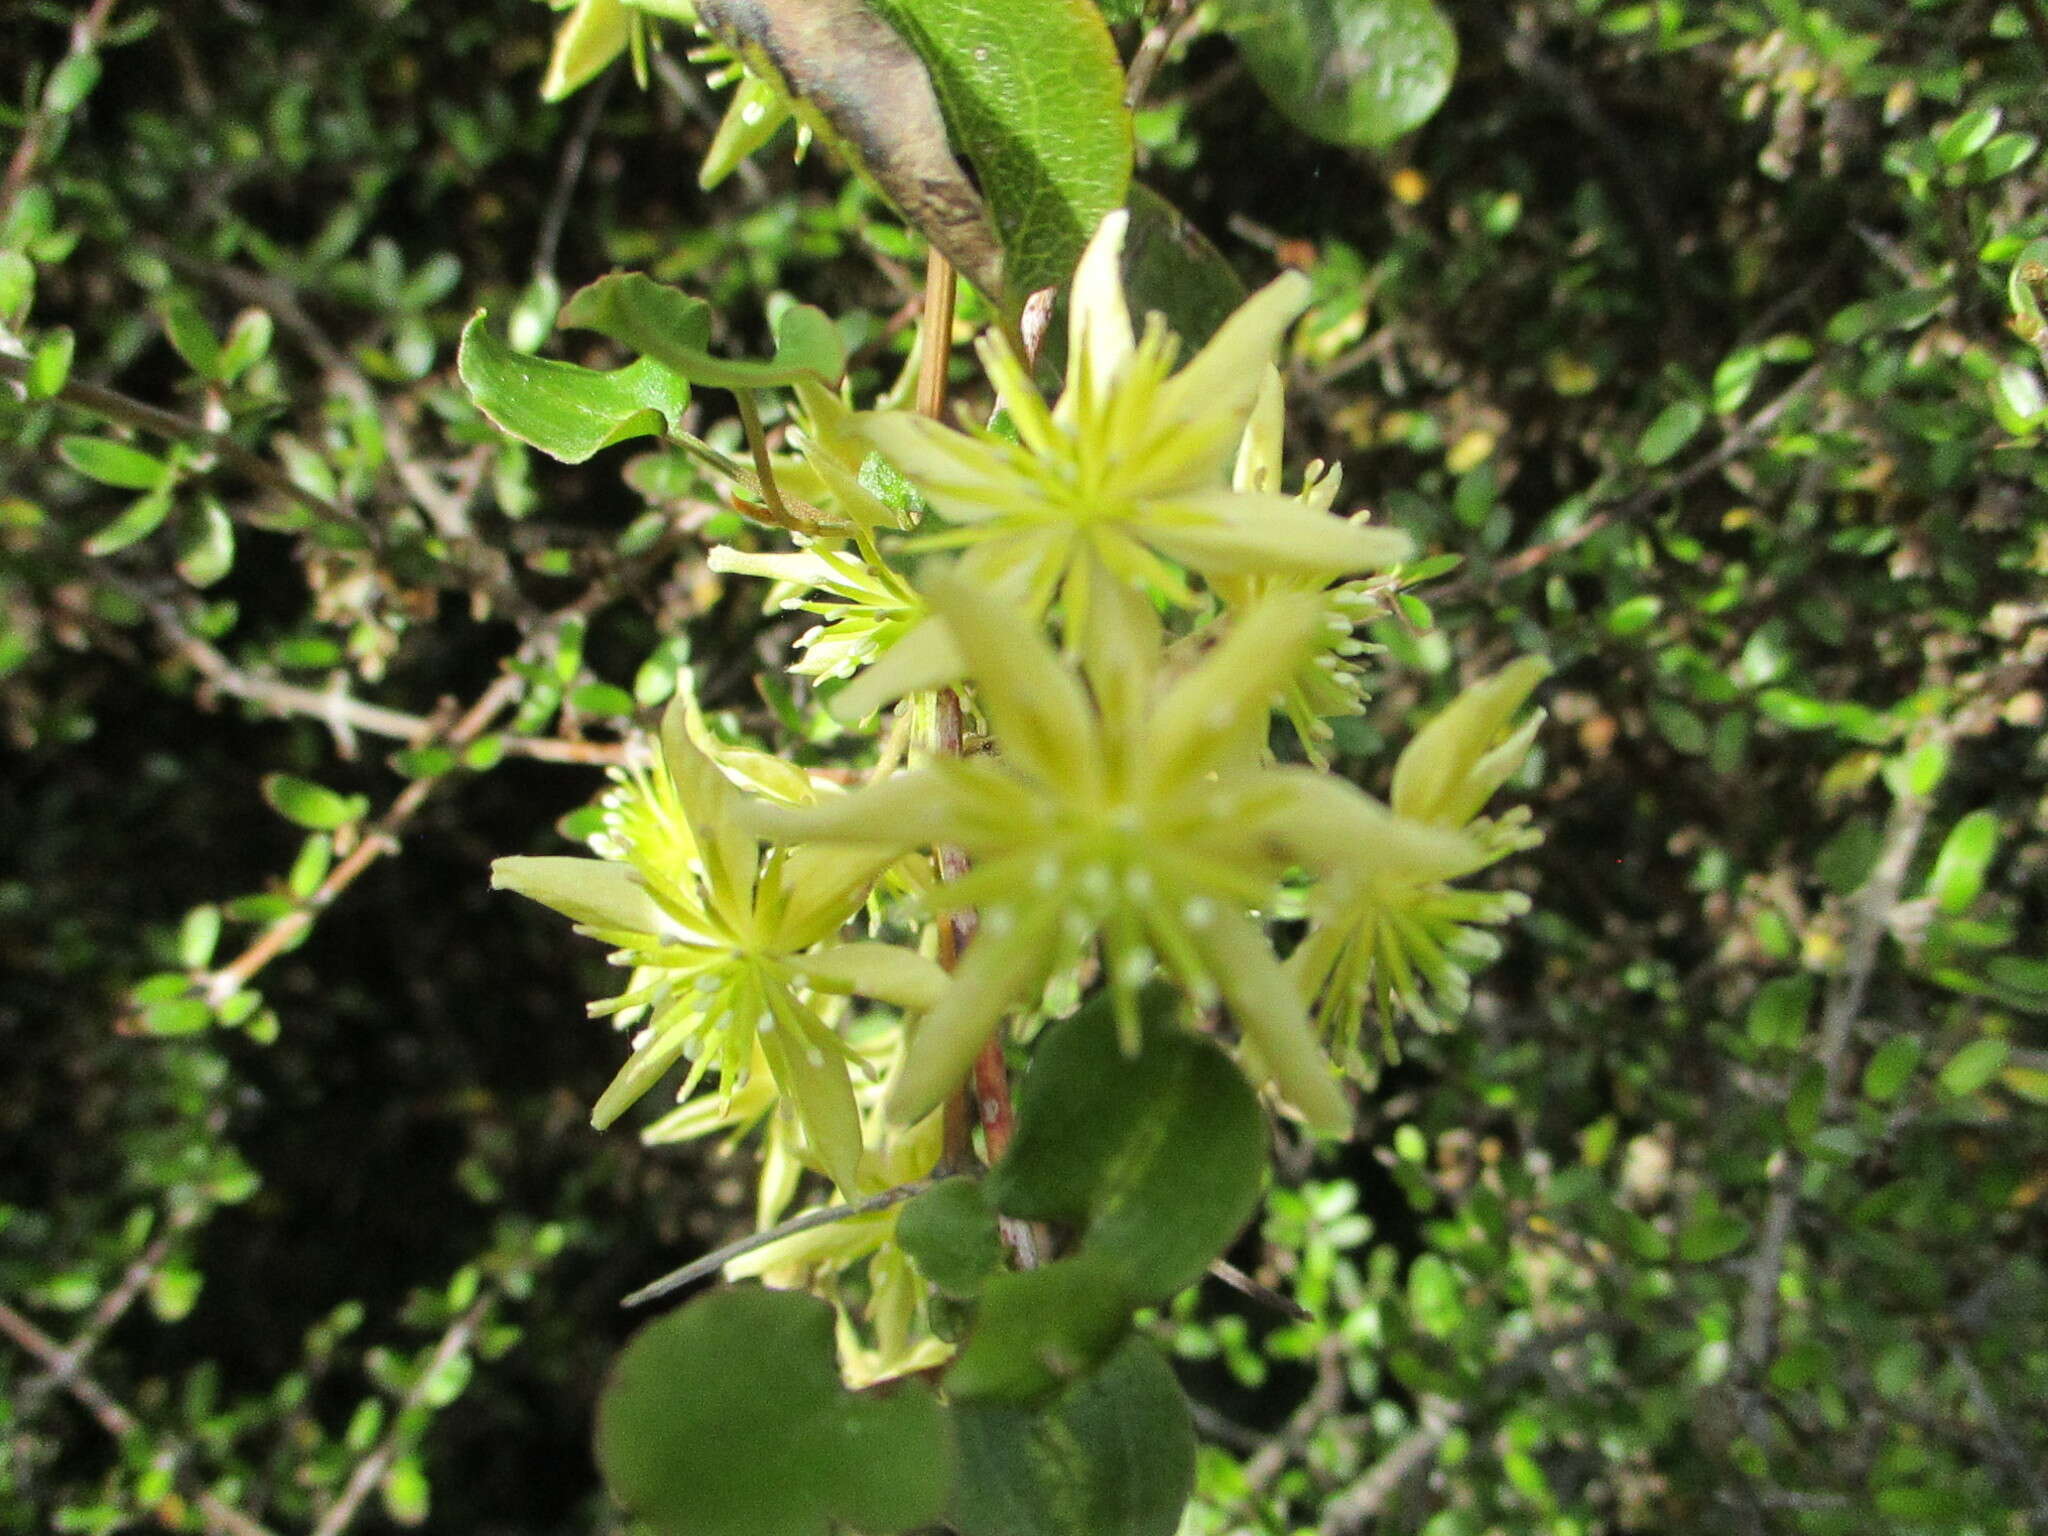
(950, 1233)
(1358, 72)
(1158, 1156)
(567, 412)
(1974, 1066)
(1112, 1456)
(1891, 1067)
(1036, 1330)
(727, 1418)
(673, 329)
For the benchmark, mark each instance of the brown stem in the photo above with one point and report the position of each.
(86, 32)
(941, 290)
(757, 444)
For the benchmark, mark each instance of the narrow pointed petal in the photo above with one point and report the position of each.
(1258, 454)
(1230, 695)
(924, 657)
(886, 972)
(1099, 335)
(1336, 828)
(904, 811)
(1001, 971)
(1036, 707)
(817, 1082)
(1438, 772)
(824, 886)
(1236, 533)
(731, 857)
(643, 1069)
(1225, 376)
(592, 892)
(967, 480)
(1269, 1012)
(1120, 650)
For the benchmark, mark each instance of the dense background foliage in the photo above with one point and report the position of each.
(1685, 324)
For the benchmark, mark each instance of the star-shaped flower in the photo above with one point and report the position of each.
(728, 947)
(1130, 811)
(1124, 483)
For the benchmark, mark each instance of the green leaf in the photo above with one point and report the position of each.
(405, 1491)
(1436, 1299)
(1958, 873)
(1891, 1067)
(17, 287)
(950, 1233)
(1034, 95)
(191, 336)
(1966, 135)
(197, 936)
(1169, 268)
(1974, 1066)
(671, 328)
(1635, 615)
(206, 543)
(112, 463)
(70, 83)
(50, 368)
(595, 33)
(567, 412)
(1777, 1015)
(727, 1418)
(1112, 1456)
(311, 805)
(1359, 72)
(1676, 425)
(1159, 1156)
(144, 516)
(2027, 291)
(247, 345)
(1036, 1330)
(1710, 1233)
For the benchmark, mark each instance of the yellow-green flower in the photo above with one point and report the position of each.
(1125, 483)
(728, 948)
(1411, 943)
(1132, 812)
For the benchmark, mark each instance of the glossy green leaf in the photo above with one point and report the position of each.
(1114, 1455)
(1158, 1157)
(951, 1235)
(1358, 72)
(311, 805)
(590, 37)
(248, 343)
(1034, 95)
(191, 336)
(1958, 874)
(727, 1418)
(112, 463)
(1036, 1330)
(567, 412)
(669, 327)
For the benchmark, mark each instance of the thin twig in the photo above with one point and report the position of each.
(1872, 912)
(713, 1262)
(86, 33)
(1351, 1511)
(935, 355)
(1324, 1398)
(575, 154)
(113, 1306)
(1153, 49)
(369, 1472)
(115, 406)
(118, 1422)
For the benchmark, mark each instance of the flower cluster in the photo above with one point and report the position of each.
(1129, 599)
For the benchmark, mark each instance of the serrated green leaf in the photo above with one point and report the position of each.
(112, 463)
(567, 412)
(727, 1418)
(951, 1235)
(667, 326)
(1114, 1455)
(311, 805)
(1360, 72)
(1158, 1157)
